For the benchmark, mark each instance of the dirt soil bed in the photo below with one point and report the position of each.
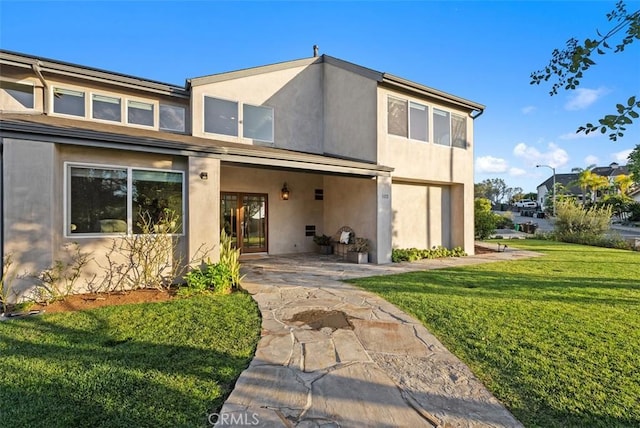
(79, 302)
(485, 250)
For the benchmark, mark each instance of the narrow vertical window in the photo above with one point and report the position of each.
(106, 108)
(67, 101)
(459, 131)
(441, 127)
(397, 121)
(419, 122)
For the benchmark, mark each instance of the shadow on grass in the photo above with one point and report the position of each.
(59, 375)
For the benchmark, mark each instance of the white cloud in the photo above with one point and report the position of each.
(491, 164)
(554, 156)
(621, 157)
(591, 160)
(582, 98)
(528, 109)
(517, 172)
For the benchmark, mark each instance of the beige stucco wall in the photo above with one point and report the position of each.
(34, 199)
(294, 93)
(429, 173)
(349, 114)
(287, 219)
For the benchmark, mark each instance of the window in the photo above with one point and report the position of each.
(459, 131)
(20, 94)
(67, 101)
(257, 122)
(419, 122)
(108, 200)
(220, 116)
(140, 113)
(397, 123)
(441, 127)
(172, 118)
(106, 108)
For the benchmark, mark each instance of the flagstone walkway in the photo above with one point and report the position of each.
(333, 355)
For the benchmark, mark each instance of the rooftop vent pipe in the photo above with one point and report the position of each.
(315, 51)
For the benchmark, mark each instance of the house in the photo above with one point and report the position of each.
(570, 184)
(272, 154)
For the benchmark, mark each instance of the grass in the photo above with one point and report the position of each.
(164, 364)
(555, 338)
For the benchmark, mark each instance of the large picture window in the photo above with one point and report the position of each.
(407, 119)
(117, 200)
(220, 116)
(172, 118)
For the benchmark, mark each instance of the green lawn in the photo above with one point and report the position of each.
(555, 338)
(164, 364)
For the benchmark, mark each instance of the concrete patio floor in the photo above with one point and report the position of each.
(333, 355)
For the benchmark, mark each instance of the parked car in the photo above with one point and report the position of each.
(526, 203)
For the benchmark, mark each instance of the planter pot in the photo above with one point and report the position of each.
(359, 258)
(326, 249)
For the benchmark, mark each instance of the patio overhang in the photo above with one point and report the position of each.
(90, 134)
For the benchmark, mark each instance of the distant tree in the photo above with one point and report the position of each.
(567, 67)
(623, 183)
(494, 189)
(584, 179)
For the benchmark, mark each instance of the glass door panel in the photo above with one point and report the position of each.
(229, 216)
(254, 223)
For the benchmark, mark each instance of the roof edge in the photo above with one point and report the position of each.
(90, 73)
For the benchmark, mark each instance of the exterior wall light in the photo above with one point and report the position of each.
(284, 192)
(204, 175)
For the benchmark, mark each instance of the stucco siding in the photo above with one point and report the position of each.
(350, 114)
(295, 95)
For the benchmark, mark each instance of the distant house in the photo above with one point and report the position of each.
(272, 154)
(570, 180)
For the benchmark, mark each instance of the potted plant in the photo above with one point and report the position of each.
(359, 251)
(324, 242)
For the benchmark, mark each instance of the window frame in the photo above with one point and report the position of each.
(129, 202)
(155, 111)
(102, 94)
(204, 116)
(273, 122)
(24, 83)
(68, 88)
(409, 102)
(177, 131)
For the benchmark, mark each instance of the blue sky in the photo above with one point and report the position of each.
(479, 50)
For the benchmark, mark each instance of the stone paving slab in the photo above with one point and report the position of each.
(334, 355)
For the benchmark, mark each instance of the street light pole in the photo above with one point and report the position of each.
(554, 185)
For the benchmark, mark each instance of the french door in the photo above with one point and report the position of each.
(244, 217)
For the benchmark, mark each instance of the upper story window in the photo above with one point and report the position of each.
(117, 200)
(16, 95)
(257, 122)
(459, 131)
(67, 101)
(222, 117)
(441, 127)
(172, 118)
(407, 119)
(140, 113)
(106, 108)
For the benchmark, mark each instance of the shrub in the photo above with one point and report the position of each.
(230, 257)
(504, 221)
(485, 220)
(210, 276)
(634, 210)
(580, 225)
(413, 254)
